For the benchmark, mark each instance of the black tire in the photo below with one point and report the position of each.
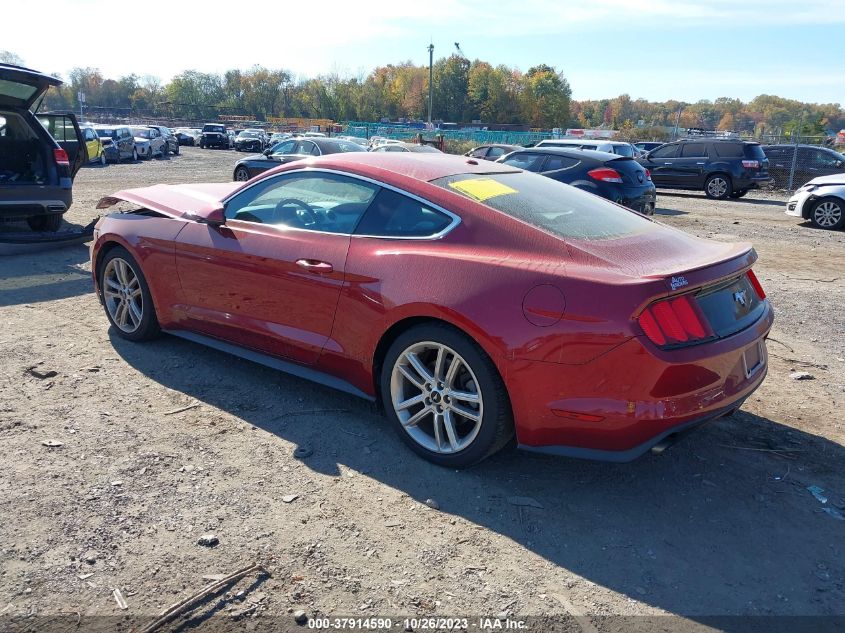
(45, 223)
(717, 186)
(738, 194)
(241, 174)
(202, 145)
(148, 328)
(177, 151)
(496, 428)
(134, 154)
(825, 211)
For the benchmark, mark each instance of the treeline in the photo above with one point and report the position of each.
(463, 91)
(765, 114)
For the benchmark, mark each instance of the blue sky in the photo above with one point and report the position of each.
(654, 49)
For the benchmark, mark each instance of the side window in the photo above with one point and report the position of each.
(285, 148)
(667, 151)
(559, 162)
(495, 152)
(693, 150)
(315, 201)
(481, 152)
(728, 150)
(394, 215)
(529, 162)
(315, 151)
(827, 159)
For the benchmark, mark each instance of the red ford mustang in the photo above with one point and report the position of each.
(475, 301)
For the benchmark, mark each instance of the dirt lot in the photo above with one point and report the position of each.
(722, 524)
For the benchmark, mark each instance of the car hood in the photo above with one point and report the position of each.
(833, 179)
(176, 201)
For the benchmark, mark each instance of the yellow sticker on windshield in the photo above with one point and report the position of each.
(481, 188)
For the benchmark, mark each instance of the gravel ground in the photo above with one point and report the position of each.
(722, 524)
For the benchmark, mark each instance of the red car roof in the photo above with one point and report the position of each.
(424, 167)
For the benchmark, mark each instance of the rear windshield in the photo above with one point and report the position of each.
(16, 90)
(549, 205)
(753, 150)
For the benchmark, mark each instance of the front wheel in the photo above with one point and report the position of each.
(177, 150)
(241, 174)
(445, 397)
(717, 187)
(134, 154)
(103, 159)
(126, 296)
(828, 214)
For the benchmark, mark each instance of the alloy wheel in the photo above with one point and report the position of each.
(436, 397)
(717, 187)
(122, 295)
(827, 214)
(242, 175)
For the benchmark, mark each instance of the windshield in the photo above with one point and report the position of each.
(248, 134)
(549, 205)
(214, 128)
(105, 133)
(140, 132)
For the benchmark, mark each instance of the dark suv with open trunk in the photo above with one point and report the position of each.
(37, 166)
(722, 168)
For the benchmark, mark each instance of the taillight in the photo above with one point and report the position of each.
(605, 174)
(751, 164)
(673, 321)
(61, 157)
(647, 174)
(755, 283)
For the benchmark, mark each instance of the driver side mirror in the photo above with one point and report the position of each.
(213, 216)
(268, 151)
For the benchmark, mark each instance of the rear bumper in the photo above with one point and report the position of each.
(636, 198)
(624, 402)
(674, 433)
(58, 201)
(751, 182)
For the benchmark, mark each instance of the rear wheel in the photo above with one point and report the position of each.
(828, 213)
(103, 158)
(45, 223)
(241, 174)
(717, 186)
(445, 397)
(126, 296)
(177, 150)
(739, 193)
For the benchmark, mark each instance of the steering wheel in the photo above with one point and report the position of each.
(305, 214)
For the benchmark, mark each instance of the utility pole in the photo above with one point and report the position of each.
(677, 121)
(430, 80)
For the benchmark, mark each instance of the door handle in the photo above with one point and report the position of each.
(314, 266)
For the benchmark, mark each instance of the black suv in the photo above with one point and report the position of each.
(722, 168)
(214, 135)
(36, 169)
